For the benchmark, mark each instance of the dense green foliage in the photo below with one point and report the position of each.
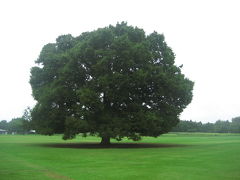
(20, 125)
(206, 157)
(114, 82)
(4, 124)
(217, 127)
(16, 125)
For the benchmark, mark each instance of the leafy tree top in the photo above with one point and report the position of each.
(114, 82)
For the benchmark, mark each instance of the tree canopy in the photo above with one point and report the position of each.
(113, 82)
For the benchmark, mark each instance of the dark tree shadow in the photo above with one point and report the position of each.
(112, 145)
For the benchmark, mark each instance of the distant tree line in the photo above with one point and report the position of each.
(20, 125)
(23, 125)
(217, 127)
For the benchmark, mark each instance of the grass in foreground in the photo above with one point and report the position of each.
(188, 157)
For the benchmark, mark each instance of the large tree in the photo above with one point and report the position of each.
(114, 82)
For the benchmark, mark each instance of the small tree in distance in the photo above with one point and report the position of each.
(114, 82)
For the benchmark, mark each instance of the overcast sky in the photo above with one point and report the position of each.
(204, 35)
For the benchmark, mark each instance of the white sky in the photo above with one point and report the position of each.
(204, 34)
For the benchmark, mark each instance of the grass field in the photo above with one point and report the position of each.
(178, 157)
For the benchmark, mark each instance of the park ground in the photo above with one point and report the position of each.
(174, 156)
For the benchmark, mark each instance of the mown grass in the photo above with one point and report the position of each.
(201, 157)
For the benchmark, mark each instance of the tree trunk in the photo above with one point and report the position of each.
(105, 141)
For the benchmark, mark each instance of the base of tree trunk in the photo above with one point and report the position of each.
(105, 141)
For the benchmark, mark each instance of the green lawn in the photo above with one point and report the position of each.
(202, 157)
